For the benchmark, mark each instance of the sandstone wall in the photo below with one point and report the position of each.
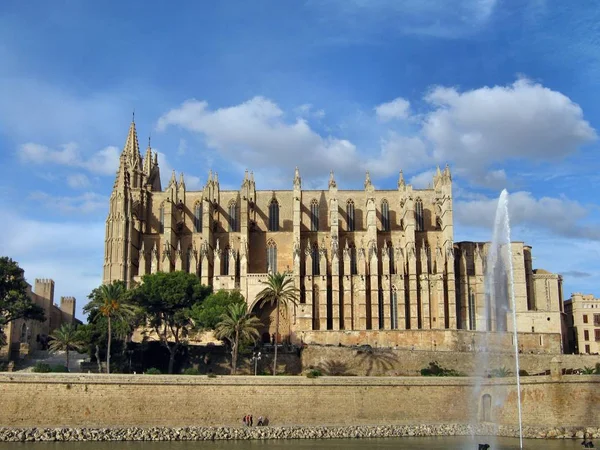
(87, 400)
(390, 362)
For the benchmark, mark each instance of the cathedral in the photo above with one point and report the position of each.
(368, 264)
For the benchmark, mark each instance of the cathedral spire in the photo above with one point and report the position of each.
(297, 179)
(368, 180)
(332, 182)
(131, 150)
(401, 182)
(148, 159)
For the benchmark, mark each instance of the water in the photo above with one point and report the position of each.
(500, 288)
(429, 443)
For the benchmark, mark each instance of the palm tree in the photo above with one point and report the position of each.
(235, 325)
(66, 338)
(279, 290)
(109, 302)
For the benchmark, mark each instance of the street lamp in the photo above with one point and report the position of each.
(255, 358)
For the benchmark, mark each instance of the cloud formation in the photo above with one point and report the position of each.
(103, 162)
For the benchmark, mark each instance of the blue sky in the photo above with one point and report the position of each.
(505, 92)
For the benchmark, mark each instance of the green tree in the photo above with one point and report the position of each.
(237, 325)
(166, 300)
(66, 338)
(14, 301)
(110, 302)
(208, 314)
(279, 290)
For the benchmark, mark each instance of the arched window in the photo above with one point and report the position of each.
(394, 308)
(274, 215)
(420, 225)
(314, 215)
(226, 261)
(198, 217)
(315, 260)
(392, 262)
(271, 256)
(233, 224)
(161, 219)
(353, 265)
(385, 215)
(350, 214)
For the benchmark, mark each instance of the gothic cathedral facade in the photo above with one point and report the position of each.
(379, 260)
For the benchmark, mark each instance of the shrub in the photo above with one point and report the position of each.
(501, 372)
(314, 373)
(435, 370)
(191, 371)
(41, 367)
(153, 371)
(58, 368)
(211, 375)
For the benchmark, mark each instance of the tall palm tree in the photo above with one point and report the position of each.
(235, 325)
(279, 290)
(111, 304)
(66, 338)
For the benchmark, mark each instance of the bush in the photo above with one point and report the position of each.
(314, 373)
(41, 367)
(435, 370)
(153, 371)
(58, 368)
(501, 372)
(191, 371)
(211, 375)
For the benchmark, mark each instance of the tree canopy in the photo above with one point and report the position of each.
(207, 314)
(14, 301)
(167, 300)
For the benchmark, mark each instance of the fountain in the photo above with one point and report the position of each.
(499, 288)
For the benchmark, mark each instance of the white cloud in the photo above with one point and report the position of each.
(103, 162)
(422, 180)
(525, 120)
(86, 203)
(69, 252)
(560, 216)
(182, 147)
(255, 134)
(78, 181)
(398, 108)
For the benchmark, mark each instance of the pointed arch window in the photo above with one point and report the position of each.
(161, 219)
(271, 256)
(392, 262)
(316, 267)
(350, 214)
(274, 215)
(394, 308)
(226, 261)
(353, 265)
(420, 225)
(314, 215)
(198, 217)
(233, 222)
(385, 215)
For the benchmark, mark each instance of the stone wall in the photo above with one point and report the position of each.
(442, 340)
(89, 400)
(390, 362)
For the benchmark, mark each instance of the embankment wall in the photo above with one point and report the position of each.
(90, 400)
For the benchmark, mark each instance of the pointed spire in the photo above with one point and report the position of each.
(252, 177)
(401, 182)
(132, 147)
(148, 159)
(156, 158)
(216, 178)
(367, 180)
(181, 182)
(447, 174)
(297, 179)
(332, 182)
(172, 181)
(210, 175)
(438, 172)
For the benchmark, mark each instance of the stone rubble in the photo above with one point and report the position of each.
(291, 432)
